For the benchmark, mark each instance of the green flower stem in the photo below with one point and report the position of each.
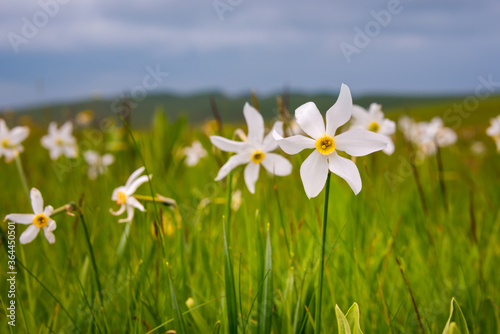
(20, 169)
(228, 206)
(441, 177)
(317, 320)
(92, 256)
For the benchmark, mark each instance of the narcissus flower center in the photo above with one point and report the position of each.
(325, 145)
(40, 220)
(5, 143)
(122, 198)
(258, 156)
(373, 126)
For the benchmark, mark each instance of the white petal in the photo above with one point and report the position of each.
(251, 176)
(276, 164)
(360, 114)
(340, 112)
(48, 210)
(270, 143)
(51, 225)
(29, 234)
(55, 152)
(135, 203)
(255, 123)
(232, 163)
(3, 128)
(389, 150)
(36, 201)
(18, 134)
(227, 145)
(294, 144)
(71, 151)
(314, 172)
(359, 142)
(134, 176)
(66, 129)
(133, 187)
(130, 215)
(51, 238)
(119, 211)
(52, 128)
(347, 170)
(387, 127)
(446, 137)
(20, 218)
(92, 157)
(310, 120)
(107, 159)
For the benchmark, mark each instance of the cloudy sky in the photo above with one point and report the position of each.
(61, 50)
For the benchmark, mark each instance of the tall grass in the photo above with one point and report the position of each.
(274, 248)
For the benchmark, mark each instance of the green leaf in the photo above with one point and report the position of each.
(353, 319)
(175, 305)
(344, 327)
(456, 322)
(231, 305)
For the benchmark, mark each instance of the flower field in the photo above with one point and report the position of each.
(357, 222)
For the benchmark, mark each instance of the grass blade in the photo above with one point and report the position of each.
(267, 293)
(231, 305)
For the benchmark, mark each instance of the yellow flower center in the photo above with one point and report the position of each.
(325, 145)
(122, 198)
(40, 220)
(373, 126)
(258, 156)
(5, 143)
(59, 141)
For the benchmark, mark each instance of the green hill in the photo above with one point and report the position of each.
(197, 106)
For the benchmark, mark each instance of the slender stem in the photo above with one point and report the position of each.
(20, 169)
(411, 295)
(80, 213)
(228, 206)
(288, 247)
(65, 208)
(317, 317)
(441, 176)
(419, 185)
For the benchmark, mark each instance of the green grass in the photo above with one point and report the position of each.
(274, 239)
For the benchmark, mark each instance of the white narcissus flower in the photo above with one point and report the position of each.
(123, 195)
(60, 141)
(443, 136)
(373, 120)
(494, 131)
(254, 151)
(97, 164)
(40, 219)
(427, 136)
(194, 153)
(10, 140)
(356, 142)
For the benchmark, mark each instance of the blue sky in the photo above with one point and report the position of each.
(85, 48)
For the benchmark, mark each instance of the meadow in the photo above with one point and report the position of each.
(400, 255)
